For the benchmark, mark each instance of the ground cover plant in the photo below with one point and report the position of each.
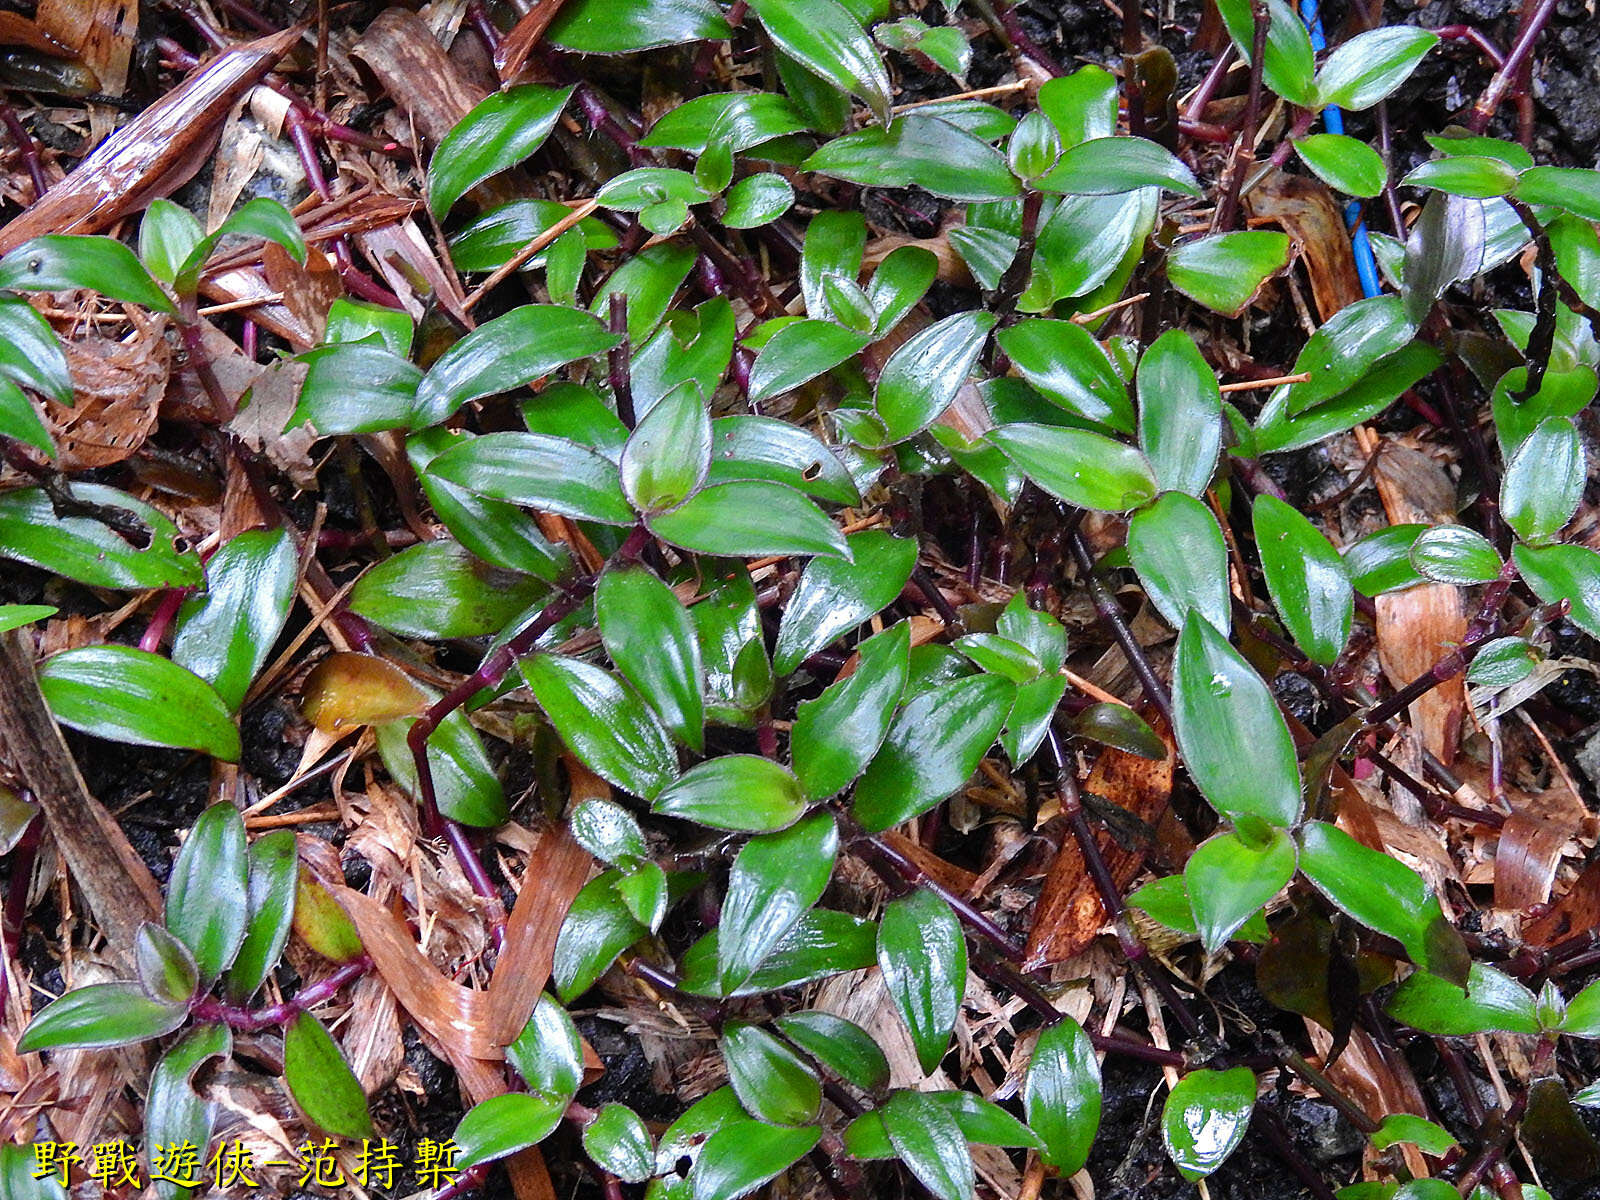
(807, 597)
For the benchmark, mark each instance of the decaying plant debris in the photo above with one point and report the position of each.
(814, 597)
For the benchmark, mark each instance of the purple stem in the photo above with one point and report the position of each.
(248, 1020)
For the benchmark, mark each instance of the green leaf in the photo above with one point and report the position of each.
(491, 240)
(1119, 726)
(464, 780)
(766, 448)
(733, 649)
(749, 518)
(933, 746)
(127, 695)
(1543, 482)
(1381, 561)
(1403, 1127)
(798, 353)
(1177, 550)
(1224, 271)
(15, 616)
(626, 26)
(650, 637)
(30, 353)
(225, 635)
(835, 595)
(548, 1053)
(603, 722)
(1086, 241)
(943, 45)
(821, 943)
(1104, 166)
(1205, 1118)
(357, 387)
(502, 1125)
(548, 473)
(263, 218)
(270, 893)
(1582, 1018)
(1289, 62)
(1493, 1003)
(692, 347)
(1503, 662)
(736, 791)
(357, 321)
(500, 534)
(1573, 188)
(649, 280)
(836, 735)
(923, 376)
(1343, 163)
(669, 453)
(771, 1081)
(930, 1143)
(1082, 105)
(1061, 1094)
(742, 1155)
(61, 262)
(757, 200)
(1180, 413)
(19, 419)
(636, 190)
(1083, 468)
(741, 119)
(208, 898)
(1466, 175)
(1382, 894)
(1230, 879)
(87, 550)
(1346, 346)
(1234, 740)
(506, 353)
(175, 1114)
(1570, 573)
(101, 1014)
(841, 1046)
(609, 832)
(1359, 401)
(1455, 554)
(598, 927)
(923, 956)
(902, 278)
(1371, 65)
(775, 879)
(320, 1080)
(1446, 244)
(500, 132)
(1063, 362)
(826, 40)
(438, 590)
(166, 968)
(835, 242)
(168, 234)
(918, 150)
(1309, 582)
(618, 1142)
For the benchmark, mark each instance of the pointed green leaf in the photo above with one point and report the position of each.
(225, 635)
(1231, 879)
(1233, 737)
(736, 791)
(127, 695)
(930, 1142)
(749, 518)
(771, 1081)
(742, 1155)
(823, 37)
(1493, 1003)
(1309, 582)
(1080, 467)
(271, 896)
(775, 879)
(835, 595)
(923, 376)
(603, 722)
(923, 956)
(499, 133)
(934, 744)
(1061, 1094)
(1205, 1118)
(835, 736)
(1108, 165)
(101, 1014)
(1177, 550)
(502, 1125)
(650, 637)
(208, 898)
(61, 262)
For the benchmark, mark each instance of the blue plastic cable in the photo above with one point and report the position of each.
(1333, 119)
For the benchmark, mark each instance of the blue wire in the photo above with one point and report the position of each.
(1333, 119)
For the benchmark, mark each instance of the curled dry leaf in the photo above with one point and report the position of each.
(1070, 913)
(154, 154)
(1305, 209)
(346, 690)
(455, 1016)
(117, 389)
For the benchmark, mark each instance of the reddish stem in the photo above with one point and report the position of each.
(248, 1020)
